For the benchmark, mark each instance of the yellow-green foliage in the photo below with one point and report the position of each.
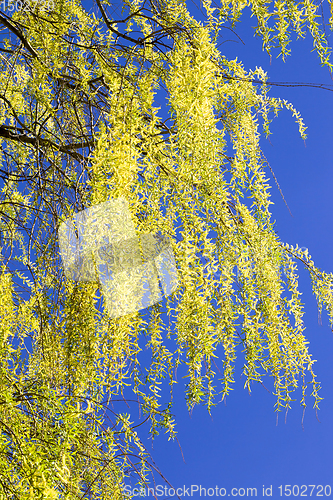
(79, 126)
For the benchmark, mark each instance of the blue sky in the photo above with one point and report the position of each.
(241, 445)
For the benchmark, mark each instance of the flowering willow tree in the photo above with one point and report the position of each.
(78, 127)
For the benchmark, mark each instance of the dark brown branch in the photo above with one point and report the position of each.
(116, 32)
(35, 141)
(19, 35)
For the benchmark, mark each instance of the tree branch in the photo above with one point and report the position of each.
(34, 141)
(19, 35)
(116, 32)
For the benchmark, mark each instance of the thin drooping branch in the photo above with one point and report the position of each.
(116, 32)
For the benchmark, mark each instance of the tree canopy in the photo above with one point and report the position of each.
(79, 127)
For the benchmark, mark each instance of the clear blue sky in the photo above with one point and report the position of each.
(241, 446)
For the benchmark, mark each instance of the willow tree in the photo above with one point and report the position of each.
(78, 128)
